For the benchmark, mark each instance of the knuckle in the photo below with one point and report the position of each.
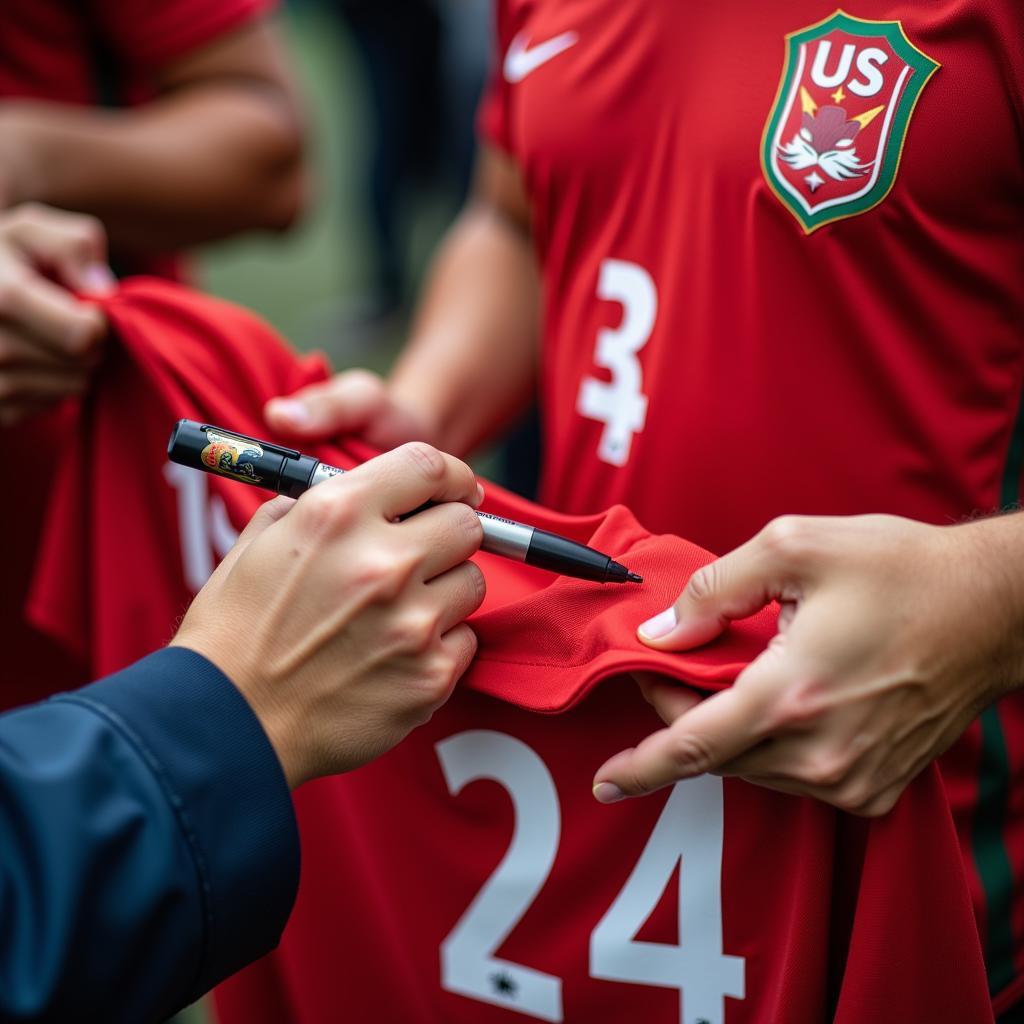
(690, 754)
(86, 231)
(854, 797)
(468, 521)
(703, 583)
(477, 582)
(442, 677)
(461, 523)
(827, 769)
(426, 459)
(415, 632)
(786, 536)
(634, 783)
(364, 380)
(800, 705)
(30, 213)
(378, 575)
(327, 511)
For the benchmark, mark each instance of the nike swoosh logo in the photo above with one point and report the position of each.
(522, 60)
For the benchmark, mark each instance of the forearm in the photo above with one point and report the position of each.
(142, 811)
(991, 553)
(470, 367)
(197, 164)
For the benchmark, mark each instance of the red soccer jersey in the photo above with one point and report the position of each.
(783, 259)
(469, 876)
(107, 51)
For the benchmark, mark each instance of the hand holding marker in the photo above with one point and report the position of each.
(284, 471)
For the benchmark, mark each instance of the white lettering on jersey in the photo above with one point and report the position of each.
(522, 59)
(689, 833)
(468, 963)
(842, 71)
(620, 404)
(203, 524)
(868, 62)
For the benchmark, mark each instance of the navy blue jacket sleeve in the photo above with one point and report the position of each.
(148, 845)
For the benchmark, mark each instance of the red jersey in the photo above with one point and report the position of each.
(107, 51)
(469, 876)
(782, 253)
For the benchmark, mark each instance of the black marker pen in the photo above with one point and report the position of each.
(286, 471)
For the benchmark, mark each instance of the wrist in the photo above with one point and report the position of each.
(274, 715)
(422, 421)
(989, 554)
(23, 171)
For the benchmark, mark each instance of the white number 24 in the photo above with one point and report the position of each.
(690, 829)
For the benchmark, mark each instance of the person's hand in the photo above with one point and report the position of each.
(892, 637)
(48, 339)
(356, 402)
(343, 627)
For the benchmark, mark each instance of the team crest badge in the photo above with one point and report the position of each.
(835, 133)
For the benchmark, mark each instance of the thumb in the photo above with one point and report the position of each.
(344, 404)
(701, 740)
(265, 516)
(732, 587)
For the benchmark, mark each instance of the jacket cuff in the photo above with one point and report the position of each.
(208, 749)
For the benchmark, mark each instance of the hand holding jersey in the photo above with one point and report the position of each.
(354, 402)
(48, 339)
(342, 626)
(893, 636)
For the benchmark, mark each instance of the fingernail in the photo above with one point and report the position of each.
(608, 793)
(661, 625)
(98, 279)
(479, 496)
(295, 412)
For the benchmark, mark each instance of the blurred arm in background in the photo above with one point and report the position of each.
(217, 150)
(470, 365)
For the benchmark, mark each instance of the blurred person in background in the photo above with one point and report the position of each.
(761, 299)
(174, 122)
(163, 124)
(424, 65)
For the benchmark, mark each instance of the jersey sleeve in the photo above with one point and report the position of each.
(493, 121)
(153, 33)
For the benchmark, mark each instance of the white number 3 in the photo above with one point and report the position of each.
(690, 830)
(620, 404)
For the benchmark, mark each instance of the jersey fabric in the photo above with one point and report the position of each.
(79, 53)
(782, 250)
(469, 876)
